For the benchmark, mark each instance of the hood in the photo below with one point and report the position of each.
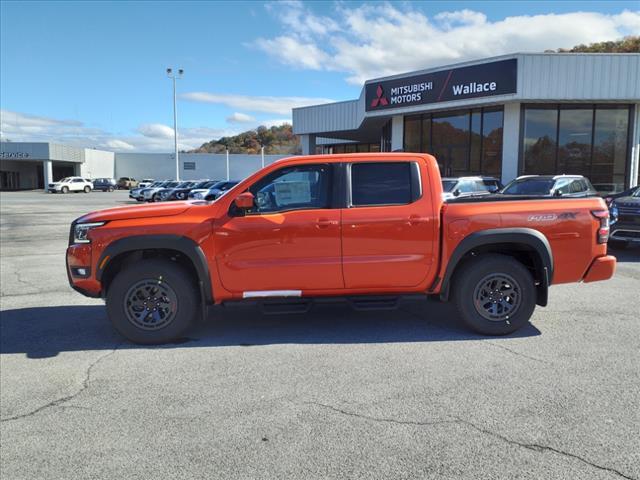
(136, 211)
(627, 201)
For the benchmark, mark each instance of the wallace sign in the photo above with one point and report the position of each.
(488, 79)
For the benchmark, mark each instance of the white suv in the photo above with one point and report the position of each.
(71, 184)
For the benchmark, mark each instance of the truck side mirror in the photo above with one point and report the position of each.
(244, 201)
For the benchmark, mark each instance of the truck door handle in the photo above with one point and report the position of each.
(417, 219)
(325, 222)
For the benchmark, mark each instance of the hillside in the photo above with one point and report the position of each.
(275, 140)
(630, 44)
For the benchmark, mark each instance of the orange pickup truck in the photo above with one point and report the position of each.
(369, 228)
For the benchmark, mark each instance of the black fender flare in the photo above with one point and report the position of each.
(529, 237)
(184, 245)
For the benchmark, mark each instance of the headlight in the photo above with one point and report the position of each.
(614, 214)
(81, 230)
(199, 196)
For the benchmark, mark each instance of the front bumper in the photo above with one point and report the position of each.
(625, 231)
(602, 268)
(80, 256)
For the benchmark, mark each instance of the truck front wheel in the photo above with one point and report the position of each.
(153, 301)
(495, 294)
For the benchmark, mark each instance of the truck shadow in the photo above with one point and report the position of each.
(42, 332)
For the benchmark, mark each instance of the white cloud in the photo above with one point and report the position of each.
(148, 137)
(238, 117)
(119, 145)
(277, 105)
(294, 52)
(380, 39)
(155, 130)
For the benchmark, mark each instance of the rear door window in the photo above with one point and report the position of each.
(382, 184)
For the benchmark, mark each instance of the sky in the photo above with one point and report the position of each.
(92, 74)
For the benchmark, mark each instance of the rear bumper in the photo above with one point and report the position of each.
(602, 268)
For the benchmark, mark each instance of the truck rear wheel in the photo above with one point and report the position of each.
(153, 301)
(495, 294)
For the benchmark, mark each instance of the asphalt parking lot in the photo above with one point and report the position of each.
(331, 394)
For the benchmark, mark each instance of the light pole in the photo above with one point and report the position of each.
(174, 77)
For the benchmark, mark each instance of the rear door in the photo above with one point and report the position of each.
(389, 231)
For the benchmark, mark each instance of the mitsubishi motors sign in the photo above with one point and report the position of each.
(484, 80)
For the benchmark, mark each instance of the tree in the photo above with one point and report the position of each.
(275, 140)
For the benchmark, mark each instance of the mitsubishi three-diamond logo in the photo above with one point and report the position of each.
(380, 98)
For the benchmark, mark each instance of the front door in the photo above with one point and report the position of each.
(389, 230)
(289, 242)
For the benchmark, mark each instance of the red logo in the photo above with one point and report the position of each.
(380, 98)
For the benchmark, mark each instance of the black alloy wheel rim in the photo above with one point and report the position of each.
(497, 297)
(150, 304)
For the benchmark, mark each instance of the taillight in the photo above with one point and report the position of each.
(603, 231)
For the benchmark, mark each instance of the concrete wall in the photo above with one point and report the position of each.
(207, 165)
(97, 164)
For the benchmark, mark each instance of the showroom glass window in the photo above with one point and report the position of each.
(590, 140)
(464, 142)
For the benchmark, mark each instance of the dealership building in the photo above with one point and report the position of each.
(506, 116)
(31, 165)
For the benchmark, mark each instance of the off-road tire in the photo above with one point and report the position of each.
(183, 300)
(496, 286)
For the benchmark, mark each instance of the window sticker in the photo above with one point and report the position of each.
(292, 193)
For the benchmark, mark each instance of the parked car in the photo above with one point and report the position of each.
(165, 194)
(138, 192)
(150, 194)
(625, 220)
(145, 182)
(572, 186)
(105, 184)
(369, 228)
(626, 193)
(127, 183)
(217, 190)
(202, 187)
(183, 192)
(70, 184)
(465, 186)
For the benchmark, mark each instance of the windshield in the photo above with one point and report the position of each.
(185, 185)
(448, 185)
(529, 186)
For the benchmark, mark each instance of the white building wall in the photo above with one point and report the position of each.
(161, 166)
(635, 147)
(510, 141)
(97, 164)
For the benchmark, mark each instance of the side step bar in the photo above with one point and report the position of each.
(285, 305)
